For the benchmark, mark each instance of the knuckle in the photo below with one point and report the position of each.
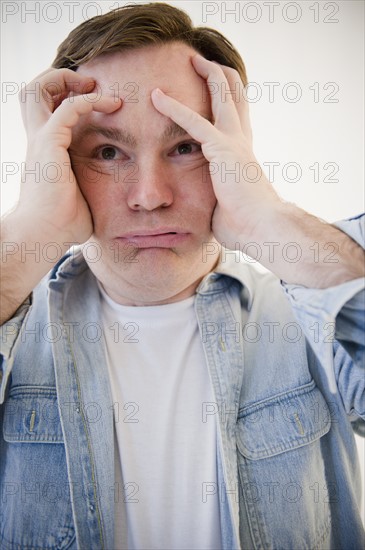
(78, 103)
(233, 74)
(193, 118)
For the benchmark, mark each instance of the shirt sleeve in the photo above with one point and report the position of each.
(337, 315)
(9, 337)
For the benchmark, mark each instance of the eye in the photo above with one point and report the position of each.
(187, 148)
(108, 153)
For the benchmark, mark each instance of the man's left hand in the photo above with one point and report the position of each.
(248, 209)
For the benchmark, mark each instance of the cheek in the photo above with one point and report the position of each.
(97, 187)
(200, 193)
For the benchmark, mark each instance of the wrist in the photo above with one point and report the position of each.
(29, 238)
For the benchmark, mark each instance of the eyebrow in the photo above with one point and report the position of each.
(173, 130)
(120, 135)
(114, 134)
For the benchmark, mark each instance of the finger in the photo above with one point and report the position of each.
(223, 107)
(53, 82)
(46, 71)
(239, 97)
(198, 127)
(60, 125)
(40, 97)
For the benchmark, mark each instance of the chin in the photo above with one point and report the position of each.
(148, 283)
(150, 275)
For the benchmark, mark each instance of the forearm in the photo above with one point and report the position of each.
(26, 256)
(302, 249)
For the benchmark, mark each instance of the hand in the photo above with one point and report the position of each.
(243, 193)
(50, 198)
(248, 209)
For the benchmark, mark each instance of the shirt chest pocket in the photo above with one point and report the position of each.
(36, 507)
(31, 416)
(284, 488)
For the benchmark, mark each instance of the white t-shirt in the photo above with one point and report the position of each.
(168, 496)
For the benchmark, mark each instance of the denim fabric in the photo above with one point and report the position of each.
(287, 371)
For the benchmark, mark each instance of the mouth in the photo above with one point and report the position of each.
(154, 238)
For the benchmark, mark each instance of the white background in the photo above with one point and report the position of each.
(312, 50)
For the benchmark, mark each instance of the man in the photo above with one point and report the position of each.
(158, 390)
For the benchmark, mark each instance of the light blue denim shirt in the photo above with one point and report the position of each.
(287, 370)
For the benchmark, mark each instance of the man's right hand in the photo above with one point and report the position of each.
(55, 200)
(51, 208)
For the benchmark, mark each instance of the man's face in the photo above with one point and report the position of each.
(145, 180)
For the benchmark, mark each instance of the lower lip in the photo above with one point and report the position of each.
(163, 240)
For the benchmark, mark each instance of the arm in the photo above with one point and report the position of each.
(51, 208)
(248, 209)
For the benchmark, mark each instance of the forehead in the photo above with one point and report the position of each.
(133, 74)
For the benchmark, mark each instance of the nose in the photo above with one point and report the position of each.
(151, 187)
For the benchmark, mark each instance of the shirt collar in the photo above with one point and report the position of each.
(231, 265)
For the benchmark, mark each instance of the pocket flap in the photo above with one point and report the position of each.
(31, 415)
(282, 423)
